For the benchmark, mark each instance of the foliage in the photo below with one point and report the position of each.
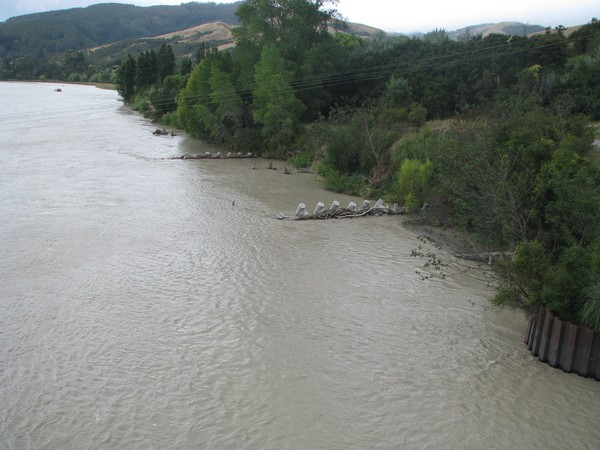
(414, 180)
(586, 39)
(303, 159)
(417, 115)
(186, 65)
(126, 79)
(397, 94)
(193, 101)
(337, 182)
(166, 61)
(164, 97)
(294, 26)
(579, 85)
(590, 311)
(171, 119)
(275, 108)
(147, 71)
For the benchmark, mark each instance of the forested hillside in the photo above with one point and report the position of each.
(28, 42)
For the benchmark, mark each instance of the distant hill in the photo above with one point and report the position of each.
(567, 31)
(82, 28)
(360, 29)
(485, 29)
(185, 42)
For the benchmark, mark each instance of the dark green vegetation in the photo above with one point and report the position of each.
(50, 45)
(493, 133)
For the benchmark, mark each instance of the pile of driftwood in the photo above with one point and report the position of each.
(218, 155)
(337, 212)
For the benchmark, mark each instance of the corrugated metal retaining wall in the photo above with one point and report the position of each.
(562, 344)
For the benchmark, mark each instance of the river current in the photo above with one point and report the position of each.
(152, 303)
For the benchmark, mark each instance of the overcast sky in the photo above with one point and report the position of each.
(393, 15)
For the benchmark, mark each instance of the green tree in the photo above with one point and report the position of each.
(580, 85)
(186, 65)
(166, 61)
(126, 79)
(147, 69)
(571, 186)
(293, 26)
(586, 38)
(164, 98)
(414, 180)
(397, 94)
(194, 101)
(200, 52)
(227, 104)
(275, 107)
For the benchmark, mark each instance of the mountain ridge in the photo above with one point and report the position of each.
(82, 28)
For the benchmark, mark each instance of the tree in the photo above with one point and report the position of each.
(397, 93)
(126, 79)
(585, 39)
(164, 98)
(275, 108)
(293, 26)
(74, 62)
(186, 65)
(413, 180)
(147, 69)
(195, 98)
(580, 84)
(227, 103)
(200, 52)
(166, 61)
(571, 186)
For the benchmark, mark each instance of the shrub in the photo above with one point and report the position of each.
(303, 159)
(336, 182)
(171, 119)
(414, 179)
(590, 312)
(411, 203)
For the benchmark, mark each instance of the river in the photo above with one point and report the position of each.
(151, 303)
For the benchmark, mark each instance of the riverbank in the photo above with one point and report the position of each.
(453, 241)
